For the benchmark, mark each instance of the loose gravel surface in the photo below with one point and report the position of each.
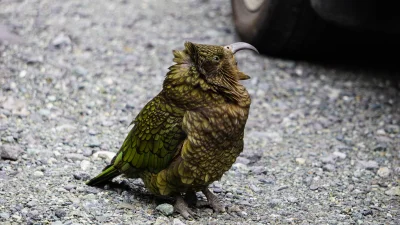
(322, 143)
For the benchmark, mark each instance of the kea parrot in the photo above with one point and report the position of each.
(191, 133)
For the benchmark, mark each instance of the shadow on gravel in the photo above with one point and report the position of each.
(136, 189)
(378, 64)
(383, 68)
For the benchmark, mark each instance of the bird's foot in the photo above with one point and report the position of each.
(182, 208)
(213, 201)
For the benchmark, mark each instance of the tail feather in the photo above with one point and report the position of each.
(108, 174)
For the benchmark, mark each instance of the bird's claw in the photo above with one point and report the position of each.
(213, 201)
(182, 208)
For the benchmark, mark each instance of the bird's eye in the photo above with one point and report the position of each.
(216, 58)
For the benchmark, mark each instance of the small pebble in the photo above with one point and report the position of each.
(61, 40)
(10, 152)
(367, 212)
(166, 209)
(274, 202)
(383, 172)
(242, 214)
(369, 165)
(254, 188)
(85, 164)
(339, 155)
(38, 174)
(93, 132)
(380, 147)
(314, 186)
(301, 161)
(162, 220)
(329, 167)
(393, 129)
(393, 191)
(292, 199)
(381, 132)
(74, 156)
(81, 176)
(60, 213)
(69, 187)
(4, 215)
(104, 155)
(93, 142)
(328, 159)
(56, 223)
(87, 152)
(242, 160)
(31, 204)
(282, 188)
(177, 221)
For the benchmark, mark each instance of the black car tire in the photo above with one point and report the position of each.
(280, 27)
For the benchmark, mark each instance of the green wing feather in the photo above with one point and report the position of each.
(150, 145)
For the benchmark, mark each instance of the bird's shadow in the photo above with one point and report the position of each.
(138, 190)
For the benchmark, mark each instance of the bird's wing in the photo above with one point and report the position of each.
(154, 140)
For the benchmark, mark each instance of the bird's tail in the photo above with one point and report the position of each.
(108, 173)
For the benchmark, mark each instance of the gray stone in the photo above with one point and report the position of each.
(300, 161)
(5, 215)
(38, 174)
(255, 188)
(367, 212)
(74, 156)
(85, 164)
(69, 187)
(369, 165)
(177, 221)
(93, 132)
(328, 159)
(31, 204)
(340, 155)
(8, 139)
(292, 199)
(393, 191)
(104, 155)
(166, 209)
(384, 172)
(107, 123)
(393, 129)
(314, 186)
(10, 152)
(329, 167)
(80, 71)
(87, 152)
(380, 147)
(62, 40)
(274, 203)
(93, 142)
(242, 160)
(161, 220)
(81, 176)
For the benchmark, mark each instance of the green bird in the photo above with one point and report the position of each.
(191, 133)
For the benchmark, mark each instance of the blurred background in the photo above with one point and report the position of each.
(353, 30)
(321, 142)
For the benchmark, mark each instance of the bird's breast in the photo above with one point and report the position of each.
(215, 139)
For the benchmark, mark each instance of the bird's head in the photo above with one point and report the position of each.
(217, 64)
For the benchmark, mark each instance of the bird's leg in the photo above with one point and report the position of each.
(213, 201)
(191, 198)
(182, 208)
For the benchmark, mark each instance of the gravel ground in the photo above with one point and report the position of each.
(322, 143)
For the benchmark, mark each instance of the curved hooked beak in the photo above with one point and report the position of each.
(235, 47)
